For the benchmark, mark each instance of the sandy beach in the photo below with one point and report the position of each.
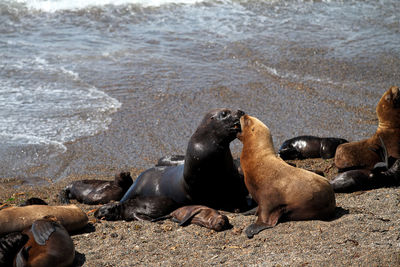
(92, 88)
(365, 232)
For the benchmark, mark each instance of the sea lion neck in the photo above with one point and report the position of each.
(255, 143)
(388, 125)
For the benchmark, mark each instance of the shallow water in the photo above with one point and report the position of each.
(98, 86)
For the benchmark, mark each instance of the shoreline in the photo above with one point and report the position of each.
(365, 232)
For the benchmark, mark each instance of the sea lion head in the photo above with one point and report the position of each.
(109, 212)
(220, 222)
(255, 135)
(388, 108)
(222, 124)
(124, 179)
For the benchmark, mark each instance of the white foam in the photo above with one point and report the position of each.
(293, 76)
(57, 5)
(50, 113)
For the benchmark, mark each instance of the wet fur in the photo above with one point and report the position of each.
(303, 147)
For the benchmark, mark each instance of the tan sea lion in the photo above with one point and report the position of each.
(384, 174)
(49, 244)
(16, 219)
(281, 190)
(199, 215)
(358, 155)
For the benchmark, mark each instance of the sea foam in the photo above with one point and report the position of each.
(57, 5)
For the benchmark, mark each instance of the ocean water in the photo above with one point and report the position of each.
(121, 83)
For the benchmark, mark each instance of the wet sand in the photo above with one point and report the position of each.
(365, 232)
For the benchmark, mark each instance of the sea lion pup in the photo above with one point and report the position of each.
(49, 244)
(208, 176)
(138, 208)
(94, 192)
(357, 155)
(16, 219)
(281, 190)
(9, 246)
(306, 146)
(200, 215)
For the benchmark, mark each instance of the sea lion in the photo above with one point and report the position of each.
(49, 244)
(10, 244)
(16, 219)
(208, 176)
(350, 181)
(281, 190)
(138, 208)
(199, 215)
(357, 155)
(385, 173)
(306, 146)
(94, 192)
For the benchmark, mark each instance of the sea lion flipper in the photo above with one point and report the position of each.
(162, 218)
(22, 257)
(42, 230)
(188, 217)
(255, 228)
(385, 153)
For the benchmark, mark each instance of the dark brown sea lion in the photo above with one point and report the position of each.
(357, 155)
(208, 176)
(9, 246)
(94, 192)
(33, 201)
(16, 219)
(171, 160)
(199, 215)
(306, 146)
(281, 190)
(138, 208)
(49, 244)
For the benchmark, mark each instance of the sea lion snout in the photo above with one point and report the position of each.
(221, 222)
(240, 113)
(396, 96)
